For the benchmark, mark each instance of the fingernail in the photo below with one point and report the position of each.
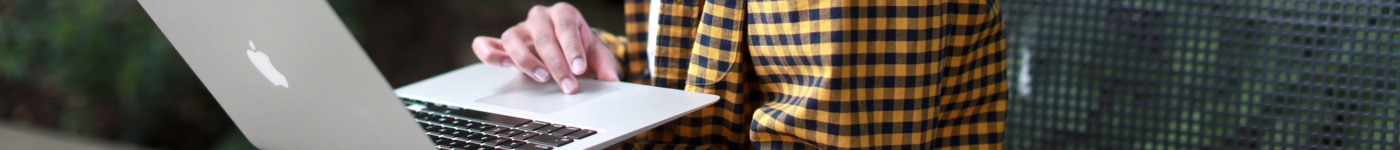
(579, 65)
(568, 85)
(508, 63)
(540, 73)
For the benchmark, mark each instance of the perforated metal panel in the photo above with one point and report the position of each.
(1203, 74)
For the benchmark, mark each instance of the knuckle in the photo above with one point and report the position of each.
(565, 15)
(514, 34)
(566, 23)
(509, 34)
(564, 7)
(547, 38)
(538, 11)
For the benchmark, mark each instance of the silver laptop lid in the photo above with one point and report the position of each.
(288, 72)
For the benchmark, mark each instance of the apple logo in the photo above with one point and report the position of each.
(264, 65)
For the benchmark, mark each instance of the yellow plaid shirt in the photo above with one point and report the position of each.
(824, 74)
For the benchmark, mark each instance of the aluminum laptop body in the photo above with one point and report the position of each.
(291, 76)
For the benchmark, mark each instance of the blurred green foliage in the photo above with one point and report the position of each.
(103, 70)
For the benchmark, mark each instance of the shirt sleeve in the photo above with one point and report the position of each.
(972, 113)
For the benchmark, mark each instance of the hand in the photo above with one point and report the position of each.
(554, 42)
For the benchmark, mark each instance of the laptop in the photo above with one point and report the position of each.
(291, 76)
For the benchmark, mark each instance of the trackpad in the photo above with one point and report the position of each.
(546, 97)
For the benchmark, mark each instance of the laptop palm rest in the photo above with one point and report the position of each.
(546, 98)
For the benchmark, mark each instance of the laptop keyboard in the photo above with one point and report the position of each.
(453, 128)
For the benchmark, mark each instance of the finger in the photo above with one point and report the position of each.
(573, 34)
(490, 51)
(604, 63)
(547, 47)
(517, 42)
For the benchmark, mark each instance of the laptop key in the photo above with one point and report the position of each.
(484, 138)
(434, 138)
(457, 122)
(497, 141)
(441, 129)
(444, 119)
(433, 117)
(424, 117)
(525, 135)
(456, 144)
(483, 148)
(436, 107)
(550, 128)
(550, 140)
(532, 125)
(512, 144)
(430, 127)
(581, 134)
(419, 114)
(564, 131)
(482, 127)
(534, 147)
(512, 132)
(467, 124)
(460, 133)
(443, 141)
(495, 130)
(476, 136)
(471, 146)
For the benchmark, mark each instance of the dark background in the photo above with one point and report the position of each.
(101, 68)
(1203, 74)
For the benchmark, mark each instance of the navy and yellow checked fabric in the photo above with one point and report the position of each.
(825, 74)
